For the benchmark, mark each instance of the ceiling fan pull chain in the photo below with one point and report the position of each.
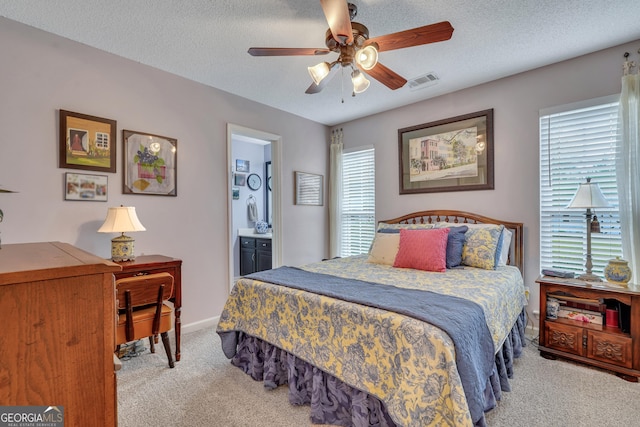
(342, 84)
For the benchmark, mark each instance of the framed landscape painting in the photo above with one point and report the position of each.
(454, 154)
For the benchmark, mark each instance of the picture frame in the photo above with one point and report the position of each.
(454, 154)
(239, 179)
(85, 187)
(242, 165)
(309, 189)
(87, 142)
(150, 164)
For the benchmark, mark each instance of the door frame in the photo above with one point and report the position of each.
(276, 194)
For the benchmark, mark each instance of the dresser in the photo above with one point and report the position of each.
(57, 311)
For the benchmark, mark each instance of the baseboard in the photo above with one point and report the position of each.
(201, 324)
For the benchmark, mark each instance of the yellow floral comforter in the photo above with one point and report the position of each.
(406, 363)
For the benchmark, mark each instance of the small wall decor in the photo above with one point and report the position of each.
(150, 164)
(87, 142)
(454, 154)
(239, 179)
(242, 165)
(235, 191)
(78, 186)
(309, 189)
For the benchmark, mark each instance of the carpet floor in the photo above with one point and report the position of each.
(204, 389)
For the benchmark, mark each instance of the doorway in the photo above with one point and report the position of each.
(252, 152)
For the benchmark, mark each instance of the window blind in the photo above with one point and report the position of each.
(358, 201)
(576, 142)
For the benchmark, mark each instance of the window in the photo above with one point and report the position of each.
(358, 201)
(578, 141)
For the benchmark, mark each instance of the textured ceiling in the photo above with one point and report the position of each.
(207, 41)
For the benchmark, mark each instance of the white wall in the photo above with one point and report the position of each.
(516, 102)
(42, 73)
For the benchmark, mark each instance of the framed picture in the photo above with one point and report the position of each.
(78, 186)
(453, 154)
(235, 191)
(87, 142)
(242, 165)
(309, 189)
(239, 179)
(150, 164)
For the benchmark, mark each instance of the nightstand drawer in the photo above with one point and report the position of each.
(616, 349)
(564, 337)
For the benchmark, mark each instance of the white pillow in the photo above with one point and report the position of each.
(505, 241)
(384, 249)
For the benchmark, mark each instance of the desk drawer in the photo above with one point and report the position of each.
(144, 271)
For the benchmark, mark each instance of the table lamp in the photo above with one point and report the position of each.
(588, 197)
(122, 219)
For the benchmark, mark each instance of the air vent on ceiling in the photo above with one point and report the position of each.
(423, 81)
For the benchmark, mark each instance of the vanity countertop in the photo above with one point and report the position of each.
(251, 232)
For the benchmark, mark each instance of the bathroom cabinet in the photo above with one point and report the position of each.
(255, 255)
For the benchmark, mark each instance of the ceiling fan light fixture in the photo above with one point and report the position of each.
(367, 58)
(318, 72)
(360, 82)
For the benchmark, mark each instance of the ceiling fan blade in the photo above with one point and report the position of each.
(286, 51)
(337, 14)
(315, 88)
(422, 35)
(386, 76)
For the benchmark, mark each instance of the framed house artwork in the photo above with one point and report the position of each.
(454, 154)
(87, 142)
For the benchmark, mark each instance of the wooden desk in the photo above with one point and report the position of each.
(149, 264)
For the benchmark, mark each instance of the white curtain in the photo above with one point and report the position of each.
(335, 193)
(628, 168)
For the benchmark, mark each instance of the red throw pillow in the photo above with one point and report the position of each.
(423, 249)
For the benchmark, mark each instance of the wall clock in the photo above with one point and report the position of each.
(254, 181)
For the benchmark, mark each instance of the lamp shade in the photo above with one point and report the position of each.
(360, 82)
(319, 71)
(588, 196)
(367, 57)
(121, 220)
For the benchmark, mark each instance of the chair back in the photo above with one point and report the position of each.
(143, 290)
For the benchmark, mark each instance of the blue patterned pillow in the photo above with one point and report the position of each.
(455, 243)
(481, 247)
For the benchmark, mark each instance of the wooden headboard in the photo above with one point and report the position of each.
(516, 251)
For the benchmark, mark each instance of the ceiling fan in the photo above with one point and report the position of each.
(356, 50)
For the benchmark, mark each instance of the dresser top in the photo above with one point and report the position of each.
(28, 262)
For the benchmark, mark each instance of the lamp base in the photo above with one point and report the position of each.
(588, 277)
(122, 249)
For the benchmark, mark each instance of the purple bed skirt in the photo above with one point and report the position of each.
(336, 403)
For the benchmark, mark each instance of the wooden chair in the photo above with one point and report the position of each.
(142, 311)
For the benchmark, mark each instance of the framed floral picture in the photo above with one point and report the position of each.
(150, 164)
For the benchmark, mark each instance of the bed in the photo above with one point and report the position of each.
(377, 340)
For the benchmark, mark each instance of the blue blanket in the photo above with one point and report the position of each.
(461, 319)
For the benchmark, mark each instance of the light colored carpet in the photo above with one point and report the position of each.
(205, 390)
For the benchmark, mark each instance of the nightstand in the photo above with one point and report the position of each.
(615, 349)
